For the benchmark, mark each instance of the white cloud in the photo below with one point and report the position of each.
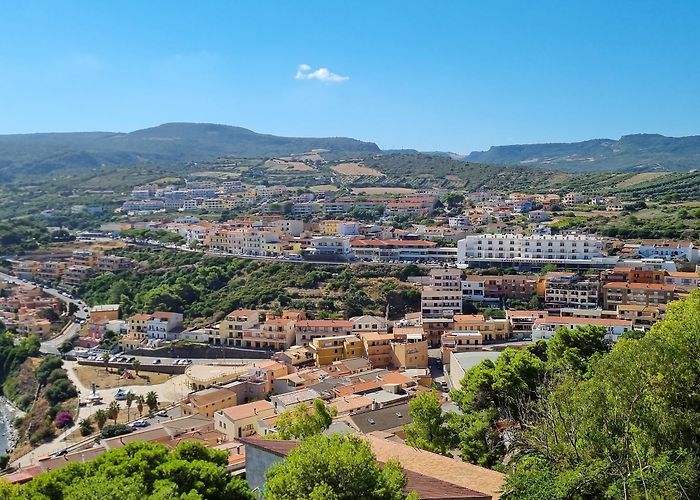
(306, 72)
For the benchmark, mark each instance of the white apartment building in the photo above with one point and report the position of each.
(518, 248)
(545, 328)
(440, 303)
(164, 325)
(330, 246)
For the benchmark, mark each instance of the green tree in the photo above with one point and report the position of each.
(304, 421)
(140, 400)
(628, 427)
(136, 364)
(101, 417)
(105, 360)
(152, 401)
(85, 426)
(340, 467)
(139, 471)
(113, 411)
(428, 429)
(573, 349)
(130, 398)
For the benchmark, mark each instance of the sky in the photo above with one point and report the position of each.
(427, 75)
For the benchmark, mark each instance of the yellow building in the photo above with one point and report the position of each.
(209, 401)
(490, 329)
(411, 352)
(326, 350)
(329, 227)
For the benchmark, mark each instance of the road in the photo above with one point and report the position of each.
(172, 390)
(51, 346)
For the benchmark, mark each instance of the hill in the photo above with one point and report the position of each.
(631, 153)
(165, 144)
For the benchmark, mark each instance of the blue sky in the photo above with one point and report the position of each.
(430, 75)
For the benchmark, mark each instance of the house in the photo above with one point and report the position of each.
(369, 323)
(208, 401)
(164, 325)
(106, 312)
(390, 419)
(283, 402)
(239, 421)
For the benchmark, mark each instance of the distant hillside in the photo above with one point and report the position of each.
(164, 144)
(638, 153)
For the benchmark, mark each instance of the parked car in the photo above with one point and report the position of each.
(156, 361)
(162, 413)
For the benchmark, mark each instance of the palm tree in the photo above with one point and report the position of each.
(101, 417)
(105, 360)
(113, 411)
(130, 398)
(139, 404)
(137, 365)
(152, 401)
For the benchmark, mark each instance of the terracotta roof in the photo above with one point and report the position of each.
(247, 410)
(358, 388)
(468, 317)
(323, 323)
(140, 317)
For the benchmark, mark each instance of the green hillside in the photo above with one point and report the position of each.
(165, 144)
(631, 153)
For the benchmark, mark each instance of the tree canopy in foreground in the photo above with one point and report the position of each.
(136, 472)
(334, 468)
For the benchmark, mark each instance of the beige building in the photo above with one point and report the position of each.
(490, 329)
(307, 330)
(242, 421)
(209, 401)
(326, 350)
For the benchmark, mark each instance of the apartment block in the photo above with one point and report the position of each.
(545, 328)
(307, 330)
(570, 290)
(615, 294)
(491, 329)
(533, 249)
(327, 350)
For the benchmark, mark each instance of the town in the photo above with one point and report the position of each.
(491, 271)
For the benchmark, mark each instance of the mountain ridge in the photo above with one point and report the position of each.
(632, 152)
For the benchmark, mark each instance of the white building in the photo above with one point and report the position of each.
(330, 246)
(164, 325)
(518, 248)
(545, 328)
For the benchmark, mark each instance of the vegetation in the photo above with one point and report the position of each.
(139, 471)
(12, 356)
(429, 428)
(303, 421)
(167, 237)
(334, 468)
(202, 287)
(21, 235)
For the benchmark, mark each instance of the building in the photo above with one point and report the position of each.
(378, 348)
(499, 288)
(490, 328)
(570, 290)
(243, 420)
(232, 326)
(446, 279)
(521, 322)
(208, 401)
(684, 281)
(327, 350)
(616, 294)
(307, 330)
(642, 317)
(461, 362)
(460, 341)
(104, 312)
(369, 323)
(75, 275)
(330, 247)
(164, 325)
(112, 263)
(428, 476)
(545, 328)
(440, 303)
(528, 249)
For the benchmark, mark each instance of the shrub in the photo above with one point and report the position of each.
(60, 390)
(109, 431)
(63, 419)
